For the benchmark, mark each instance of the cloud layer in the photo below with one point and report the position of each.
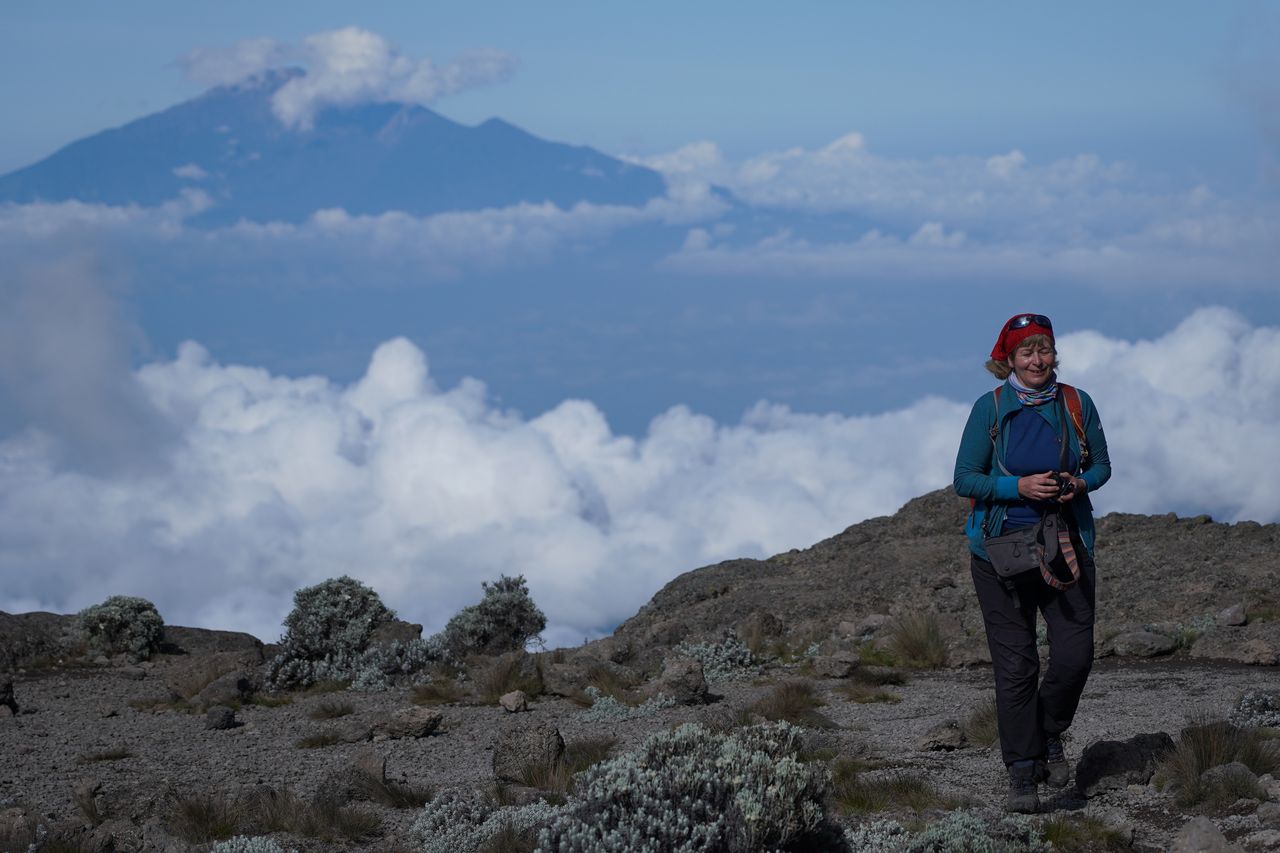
(273, 483)
(344, 68)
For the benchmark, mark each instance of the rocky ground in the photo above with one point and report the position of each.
(100, 750)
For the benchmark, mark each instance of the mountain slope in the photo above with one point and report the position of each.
(366, 160)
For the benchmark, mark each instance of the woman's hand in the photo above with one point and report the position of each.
(1038, 487)
(1079, 484)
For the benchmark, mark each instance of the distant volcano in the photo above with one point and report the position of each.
(366, 159)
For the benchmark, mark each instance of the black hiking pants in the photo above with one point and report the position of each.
(1028, 708)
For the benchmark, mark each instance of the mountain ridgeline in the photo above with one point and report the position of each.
(366, 159)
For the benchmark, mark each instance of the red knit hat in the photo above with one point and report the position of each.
(1018, 328)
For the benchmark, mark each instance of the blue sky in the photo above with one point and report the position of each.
(605, 396)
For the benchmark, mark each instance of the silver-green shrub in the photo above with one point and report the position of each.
(376, 668)
(878, 836)
(464, 821)
(728, 660)
(1257, 709)
(967, 831)
(247, 844)
(327, 632)
(505, 620)
(605, 707)
(123, 624)
(693, 790)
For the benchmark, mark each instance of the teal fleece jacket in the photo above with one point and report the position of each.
(977, 476)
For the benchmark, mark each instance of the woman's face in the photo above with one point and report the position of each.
(1032, 365)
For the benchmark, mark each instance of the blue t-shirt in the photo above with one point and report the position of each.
(1032, 448)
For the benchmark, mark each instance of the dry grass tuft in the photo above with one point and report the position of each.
(853, 793)
(794, 701)
(204, 816)
(327, 815)
(1080, 833)
(557, 777)
(917, 641)
(867, 694)
(116, 753)
(1210, 742)
(270, 700)
(981, 726)
(87, 801)
(609, 683)
(331, 710)
(503, 676)
(440, 691)
(318, 740)
(329, 685)
(396, 795)
(508, 840)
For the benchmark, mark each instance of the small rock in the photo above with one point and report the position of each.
(108, 711)
(867, 625)
(1143, 644)
(1234, 772)
(352, 730)
(1111, 765)
(1200, 835)
(5, 712)
(1267, 839)
(219, 718)
(133, 673)
(1233, 615)
(1269, 815)
(945, 736)
(683, 680)
(837, 665)
(514, 702)
(227, 689)
(412, 722)
(521, 748)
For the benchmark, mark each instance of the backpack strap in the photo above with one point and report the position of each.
(1072, 398)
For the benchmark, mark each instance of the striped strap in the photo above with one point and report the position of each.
(1068, 554)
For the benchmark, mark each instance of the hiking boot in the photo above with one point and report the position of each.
(1023, 797)
(1057, 770)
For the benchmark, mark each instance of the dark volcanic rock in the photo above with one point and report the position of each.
(203, 641)
(1110, 765)
(28, 639)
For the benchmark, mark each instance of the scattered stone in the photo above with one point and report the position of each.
(5, 712)
(1111, 765)
(227, 689)
(1271, 785)
(219, 718)
(352, 730)
(867, 626)
(112, 834)
(412, 722)
(1233, 615)
(1269, 815)
(837, 665)
(106, 712)
(1232, 772)
(1267, 839)
(1143, 644)
(133, 673)
(1256, 644)
(945, 736)
(514, 702)
(969, 651)
(1200, 835)
(683, 680)
(204, 642)
(522, 747)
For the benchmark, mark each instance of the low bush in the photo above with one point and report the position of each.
(123, 624)
(795, 702)
(692, 789)
(327, 815)
(248, 844)
(728, 660)
(608, 708)
(856, 792)
(1257, 708)
(464, 821)
(1208, 743)
(389, 792)
(204, 816)
(505, 620)
(981, 726)
(969, 832)
(916, 641)
(1082, 833)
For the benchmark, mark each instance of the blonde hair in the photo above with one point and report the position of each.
(1001, 369)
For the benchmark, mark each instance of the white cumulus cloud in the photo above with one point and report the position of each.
(423, 491)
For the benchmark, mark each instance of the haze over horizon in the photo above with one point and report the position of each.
(755, 314)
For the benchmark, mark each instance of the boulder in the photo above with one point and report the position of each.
(1269, 815)
(1257, 643)
(1111, 765)
(352, 730)
(1234, 773)
(219, 718)
(1266, 839)
(190, 674)
(1200, 835)
(228, 689)
(204, 641)
(522, 748)
(1143, 644)
(412, 722)
(38, 639)
(514, 702)
(1233, 615)
(837, 664)
(683, 680)
(945, 736)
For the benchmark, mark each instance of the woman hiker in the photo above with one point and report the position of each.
(1031, 453)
